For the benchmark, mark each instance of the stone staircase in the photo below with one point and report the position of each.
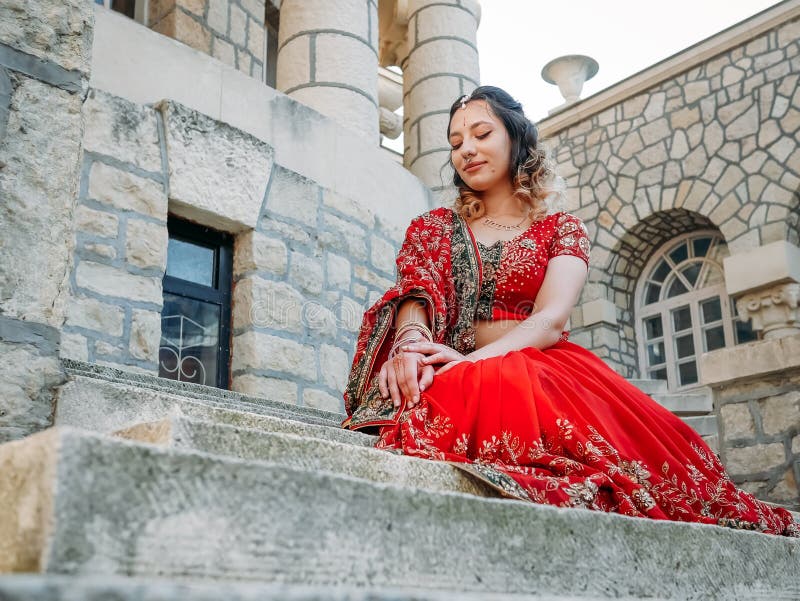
(208, 494)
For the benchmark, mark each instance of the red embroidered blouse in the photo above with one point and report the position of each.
(513, 270)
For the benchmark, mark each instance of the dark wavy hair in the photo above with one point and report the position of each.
(530, 172)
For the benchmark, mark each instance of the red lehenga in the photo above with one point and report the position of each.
(555, 426)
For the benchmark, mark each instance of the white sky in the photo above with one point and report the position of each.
(516, 38)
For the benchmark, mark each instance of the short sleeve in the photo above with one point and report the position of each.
(570, 238)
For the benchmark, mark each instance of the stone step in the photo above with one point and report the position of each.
(103, 588)
(695, 402)
(648, 386)
(209, 395)
(313, 454)
(75, 502)
(704, 425)
(105, 407)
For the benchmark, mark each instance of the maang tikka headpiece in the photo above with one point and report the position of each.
(464, 99)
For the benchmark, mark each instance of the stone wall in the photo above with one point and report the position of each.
(757, 397)
(231, 30)
(308, 260)
(714, 147)
(44, 70)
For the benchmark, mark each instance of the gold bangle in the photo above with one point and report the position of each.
(415, 325)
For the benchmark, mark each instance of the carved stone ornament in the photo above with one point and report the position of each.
(773, 311)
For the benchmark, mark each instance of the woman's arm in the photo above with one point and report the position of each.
(560, 290)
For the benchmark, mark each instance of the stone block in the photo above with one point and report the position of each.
(755, 459)
(786, 490)
(370, 277)
(294, 68)
(737, 421)
(349, 207)
(343, 236)
(350, 314)
(319, 399)
(256, 350)
(145, 336)
(39, 182)
(383, 254)
(306, 272)
(218, 16)
(158, 9)
(284, 391)
(109, 350)
(182, 27)
(121, 129)
(346, 60)
(599, 311)
(104, 251)
(266, 304)
(26, 389)
(100, 223)
(57, 31)
(95, 315)
(773, 263)
(74, 346)
(126, 191)
(335, 366)
(257, 252)
(780, 413)
(238, 25)
(218, 174)
(196, 7)
(174, 514)
(745, 125)
(294, 196)
(338, 270)
(445, 21)
(320, 320)
(146, 244)
(354, 113)
(116, 283)
(224, 52)
(345, 15)
(255, 37)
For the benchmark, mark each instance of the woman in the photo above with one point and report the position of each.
(464, 359)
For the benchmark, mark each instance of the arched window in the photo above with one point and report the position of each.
(683, 309)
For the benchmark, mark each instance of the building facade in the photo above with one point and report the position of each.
(197, 189)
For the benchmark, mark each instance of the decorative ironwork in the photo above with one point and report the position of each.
(197, 339)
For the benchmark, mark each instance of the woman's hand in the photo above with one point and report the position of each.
(404, 375)
(437, 354)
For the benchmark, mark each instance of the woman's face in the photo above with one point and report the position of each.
(481, 147)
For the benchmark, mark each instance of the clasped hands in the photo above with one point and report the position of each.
(411, 370)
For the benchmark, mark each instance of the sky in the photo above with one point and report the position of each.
(516, 38)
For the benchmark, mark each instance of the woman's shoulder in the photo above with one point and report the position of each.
(440, 216)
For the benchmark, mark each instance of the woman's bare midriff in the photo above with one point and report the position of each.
(487, 332)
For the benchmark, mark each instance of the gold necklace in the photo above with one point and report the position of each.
(501, 226)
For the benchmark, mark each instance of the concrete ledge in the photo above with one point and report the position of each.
(753, 359)
(104, 588)
(306, 453)
(767, 265)
(120, 508)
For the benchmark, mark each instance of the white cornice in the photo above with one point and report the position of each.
(670, 67)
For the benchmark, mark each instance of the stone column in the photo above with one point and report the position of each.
(766, 284)
(45, 57)
(440, 65)
(328, 59)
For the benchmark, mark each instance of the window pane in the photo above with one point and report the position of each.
(676, 288)
(189, 340)
(711, 310)
(190, 262)
(701, 246)
(681, 319)
(687, 373)
(679, 254)
(714, 338)
(691, 272)
(684, 346)
(744, 332)
(655, 353)
(653, 327)
(661, 271)
(653, 291)
(659, 374)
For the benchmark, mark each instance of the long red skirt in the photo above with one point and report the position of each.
(560, 427)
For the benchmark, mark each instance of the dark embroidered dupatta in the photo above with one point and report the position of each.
(438, 263)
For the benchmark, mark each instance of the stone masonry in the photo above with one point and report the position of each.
(714, 147)
(44, 68)
(232, 31)
(307, 260)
